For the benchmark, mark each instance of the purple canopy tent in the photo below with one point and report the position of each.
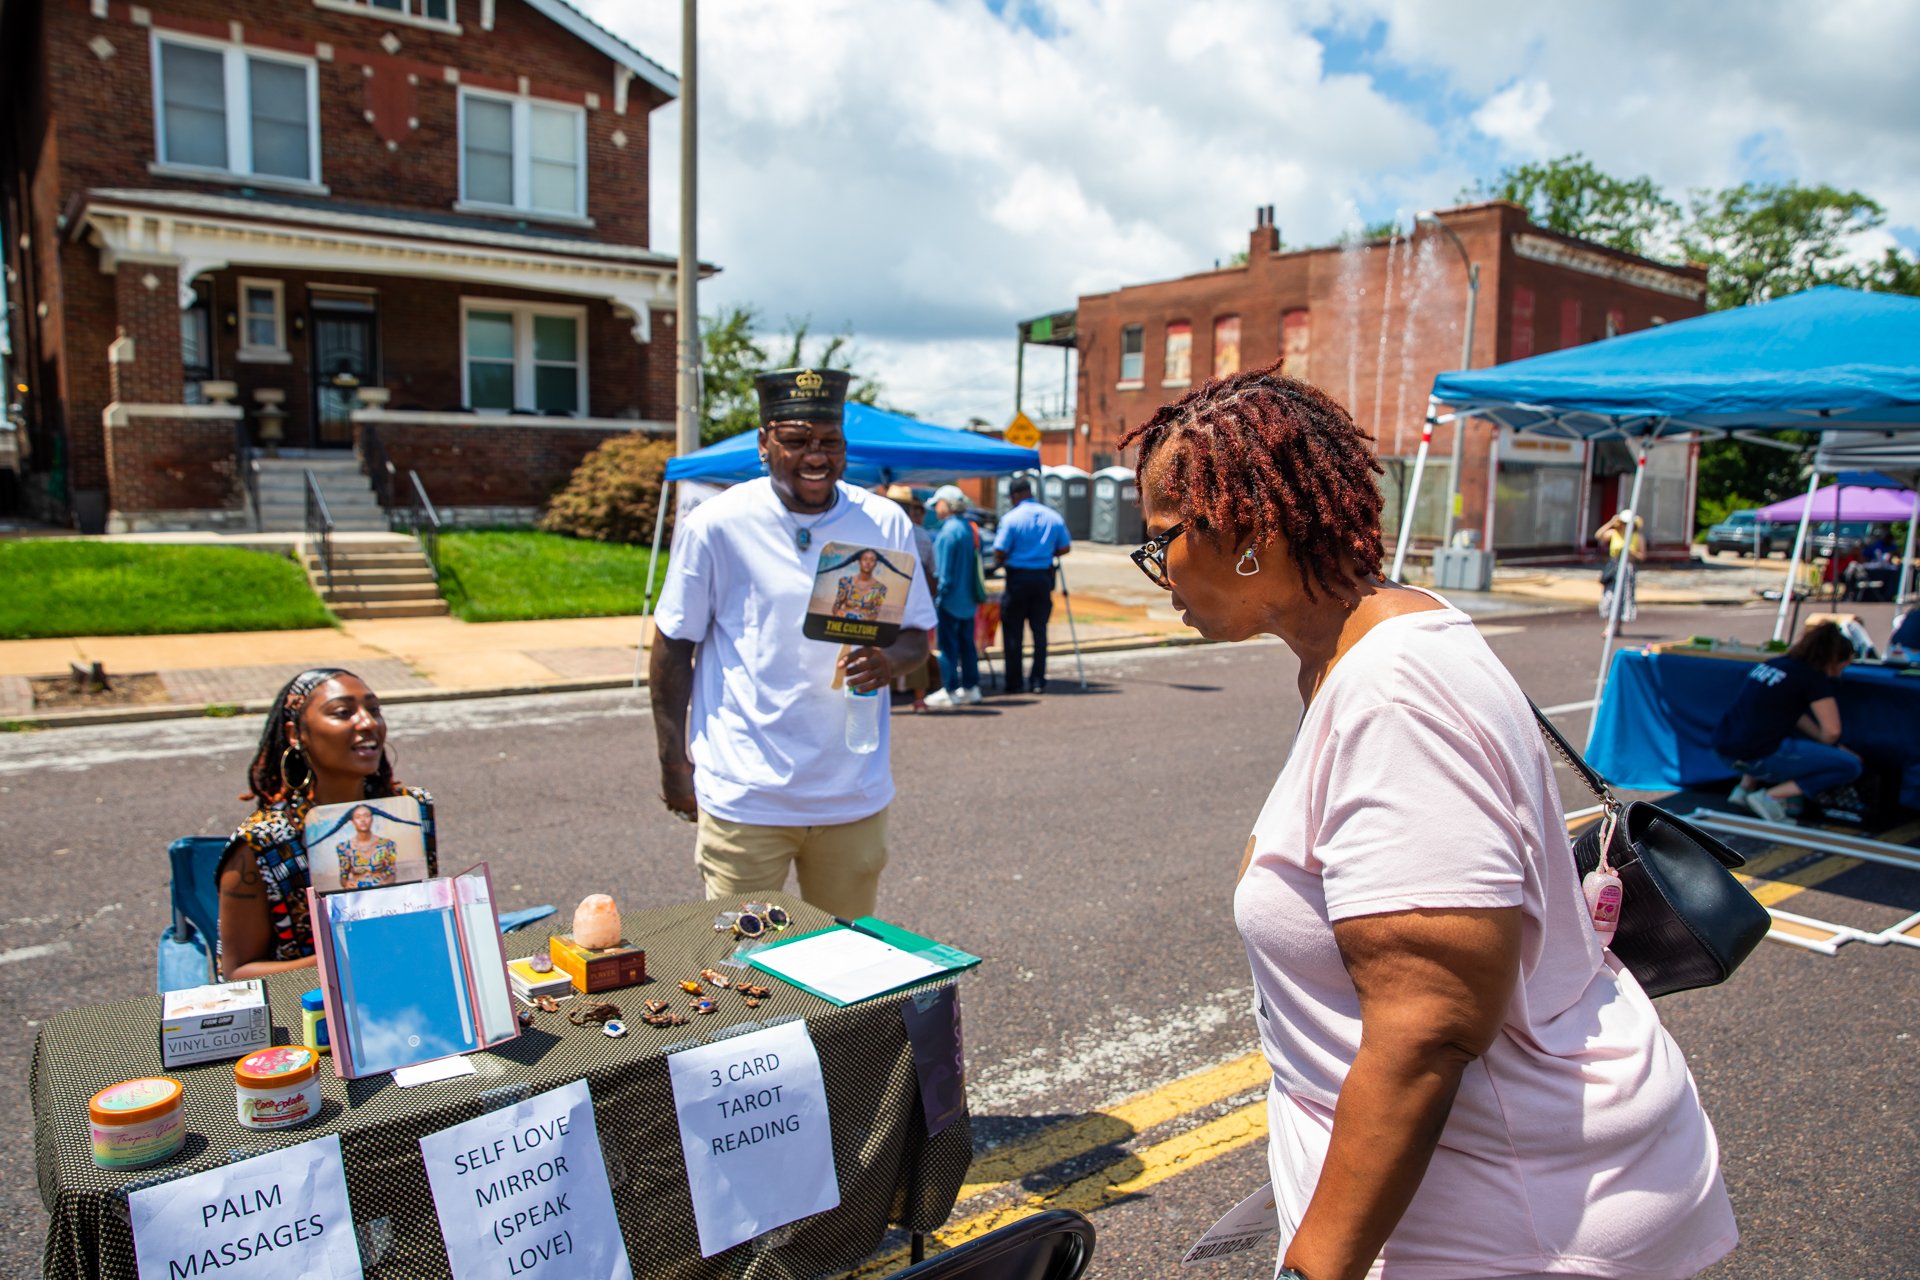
(1855, 495)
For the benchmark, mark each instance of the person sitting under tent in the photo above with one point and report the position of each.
(1782, 732)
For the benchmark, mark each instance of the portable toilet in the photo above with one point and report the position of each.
(1002, 502)
(1116, 506)
(1069, 491)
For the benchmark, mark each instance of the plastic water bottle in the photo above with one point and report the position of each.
(863, 721)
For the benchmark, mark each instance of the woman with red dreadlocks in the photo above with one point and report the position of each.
(325, 742)
(1465, 1083)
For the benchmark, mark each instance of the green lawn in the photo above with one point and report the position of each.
(511, 575)
(56, 587)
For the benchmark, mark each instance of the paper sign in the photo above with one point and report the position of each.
(859, 594)
(1244, 1227)
(753, 1125)
(284, 1213)
(522, 1192)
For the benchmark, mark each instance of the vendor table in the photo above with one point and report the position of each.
(889, 1169)
(1653, 729)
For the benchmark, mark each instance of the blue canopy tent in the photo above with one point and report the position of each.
(882, 448)
(1832, 359)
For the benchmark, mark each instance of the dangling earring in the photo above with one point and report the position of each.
(1247, 558)
(306, 784)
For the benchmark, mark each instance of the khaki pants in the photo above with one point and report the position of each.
(838, 866)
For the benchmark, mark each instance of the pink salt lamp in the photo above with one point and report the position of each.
(596, 922)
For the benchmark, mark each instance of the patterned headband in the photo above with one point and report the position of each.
(306, 682)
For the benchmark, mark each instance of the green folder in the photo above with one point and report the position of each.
(949, 959)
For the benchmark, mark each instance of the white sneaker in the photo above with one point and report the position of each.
(1766, 805)
(970, 696)
(1738, 796)
(940, 700)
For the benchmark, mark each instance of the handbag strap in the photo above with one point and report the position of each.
(1592, 780)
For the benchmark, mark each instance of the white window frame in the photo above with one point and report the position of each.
(522, 205)
(1139, 379)
(277, 353)
(405, 17)
(523, 361)
(239, 121)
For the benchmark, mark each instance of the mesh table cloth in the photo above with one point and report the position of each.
(890, 1171)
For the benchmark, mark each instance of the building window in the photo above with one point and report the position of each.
(1520, 325)
(196, 348)
(263, 321)
(436, 15)
(437, 10)
(236, 110)
(1226, 346)
(525, 357)
(522, 155)
(1133, 353)
(1296, 342)
(1179, 369)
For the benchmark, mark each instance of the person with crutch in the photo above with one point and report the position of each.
(1031, 535)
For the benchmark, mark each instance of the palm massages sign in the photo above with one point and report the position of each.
(859, 594)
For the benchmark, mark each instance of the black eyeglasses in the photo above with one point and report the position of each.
(1151, 556)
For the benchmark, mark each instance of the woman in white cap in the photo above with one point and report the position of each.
(957, 558)
(1611, 535)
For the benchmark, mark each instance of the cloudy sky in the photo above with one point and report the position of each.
(924, 173)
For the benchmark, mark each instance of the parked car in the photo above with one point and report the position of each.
(1743, 533)
(1851, 537)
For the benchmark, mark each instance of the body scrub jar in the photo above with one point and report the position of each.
(277, 1088)
(137, 1123)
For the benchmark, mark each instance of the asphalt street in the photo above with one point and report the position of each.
(1085, 844)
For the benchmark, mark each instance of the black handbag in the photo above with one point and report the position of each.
(1685, 921)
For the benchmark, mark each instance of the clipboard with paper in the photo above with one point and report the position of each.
(847, 965)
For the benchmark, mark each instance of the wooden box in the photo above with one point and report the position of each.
(616, 966)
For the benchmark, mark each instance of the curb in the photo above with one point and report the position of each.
(592, 684)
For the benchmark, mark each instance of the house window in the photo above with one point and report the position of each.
(525, 357)
(237, 110)
(263, 321)
(437, 10)
(1179, 370)
(523, 155)
(1296, 342)
(1226, 346)
(436, 15)
(196, 348)
(1133, 353)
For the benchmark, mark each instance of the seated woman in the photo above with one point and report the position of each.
(1783, 730)
(324, 743)
(1465, 1085)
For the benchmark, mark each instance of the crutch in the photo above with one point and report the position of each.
(1060, 572)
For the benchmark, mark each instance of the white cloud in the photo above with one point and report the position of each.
(927, 172)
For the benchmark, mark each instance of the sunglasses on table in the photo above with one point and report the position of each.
(1151, 555)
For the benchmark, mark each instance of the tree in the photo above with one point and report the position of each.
(1760, 241)
(1574, 197)
(731, 354)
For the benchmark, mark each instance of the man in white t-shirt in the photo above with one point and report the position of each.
(761, 760)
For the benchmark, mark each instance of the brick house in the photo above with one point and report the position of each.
(411, 230)
(1372, 325)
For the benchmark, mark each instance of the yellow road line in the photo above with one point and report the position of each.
(1114, 1125)
(1125, 1177)
(1773, 892)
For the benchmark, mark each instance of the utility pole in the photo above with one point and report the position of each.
(687, 317)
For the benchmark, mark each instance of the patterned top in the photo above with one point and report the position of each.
(849, 601)
(274, 835)
(366, 868)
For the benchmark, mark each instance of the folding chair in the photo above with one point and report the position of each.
(188, 945)
(1056, 1245)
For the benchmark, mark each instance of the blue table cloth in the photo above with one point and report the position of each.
(1653, 730)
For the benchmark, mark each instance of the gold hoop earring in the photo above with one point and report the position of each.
(306, 784)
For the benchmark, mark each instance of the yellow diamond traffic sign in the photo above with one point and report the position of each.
(1022, 432)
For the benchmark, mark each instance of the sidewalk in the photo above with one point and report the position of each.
(413, 659)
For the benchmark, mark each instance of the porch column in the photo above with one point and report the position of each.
(144, 362)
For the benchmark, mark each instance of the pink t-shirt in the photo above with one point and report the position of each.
(1577, 1144)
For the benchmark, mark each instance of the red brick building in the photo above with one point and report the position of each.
(417, 229)
(1372, 325)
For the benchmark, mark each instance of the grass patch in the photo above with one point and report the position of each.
(74, 588)
(514, 575)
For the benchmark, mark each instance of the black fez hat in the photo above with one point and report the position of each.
(802, 395)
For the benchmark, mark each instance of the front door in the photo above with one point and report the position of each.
(343, 362)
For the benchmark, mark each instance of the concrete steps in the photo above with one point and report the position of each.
(377, 580)
(282, 487)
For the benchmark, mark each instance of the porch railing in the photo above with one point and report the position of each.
(373, 456)
(319, 527)
(424, 522)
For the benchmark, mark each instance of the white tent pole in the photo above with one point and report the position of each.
(1906, 564)
(1793, 561)
(1060, 571)
(1410, 496)
(646, 600)
(1620, 575)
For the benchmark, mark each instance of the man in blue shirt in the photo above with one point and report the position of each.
(957, 569)
(1030, 536)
